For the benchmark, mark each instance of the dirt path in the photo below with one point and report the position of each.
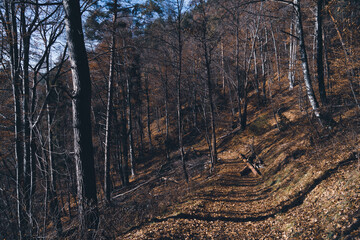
(226, 205)
(221, 202)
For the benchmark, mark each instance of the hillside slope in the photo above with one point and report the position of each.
(308, 189)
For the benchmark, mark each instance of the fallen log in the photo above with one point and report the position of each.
(249, 165)
(254, 170)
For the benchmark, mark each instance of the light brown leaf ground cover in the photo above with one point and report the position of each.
(309, 188)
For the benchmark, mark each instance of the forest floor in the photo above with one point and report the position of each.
(308, 188)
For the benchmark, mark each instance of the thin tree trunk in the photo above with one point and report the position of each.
(118, 143)
(263, 51)
(158, 116)
(255, 63)
(319, 47)
(292, 58)
(11, 29)
(245, 104)
(118, 140)
(327, 62)
(25, 118)
(207, 57)
(166, 108)
(276, 54)
(141, 128)
(247, 65)
(212, 109)
(238, 79)
(167, 137)
(54, 203)
(206, 127)
(231, 101)
(109, 108)
(125, 143)
(46, 198)
(148, 110)
(81, 105)
(125, 165)
(195, 94)
(194, 104)
(223, 68)
(129, 123)
(178, 85)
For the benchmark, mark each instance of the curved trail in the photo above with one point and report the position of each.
(227, 207)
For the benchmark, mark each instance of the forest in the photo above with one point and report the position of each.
(180, 119)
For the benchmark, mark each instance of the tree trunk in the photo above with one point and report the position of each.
(148, 110)
(238, 79)
(276, 55)
(166, 108)
(81, 106)
(231, 103)
(245, 104)
(292, 58)
(51, 188)
(304, 60)
(129, 123)
(158, 116)
(207, 56)
(204, 113)
(11, 30)
(319, 47)
(247, 65)
(167, 137)
(109, 108)
(223, 68)
(263, 51)
(124, 137)
(28, 167)
(194, 107)
(327, 62)
(178, 85)
(212, 109)
(141, 128)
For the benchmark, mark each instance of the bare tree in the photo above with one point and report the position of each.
(292, 56)
(9, 22)
(148, 109)
(319, 50)
(109, 107)
(81, 104)
(304, 60)
(129, 119)
(180, 42)
(207, 51)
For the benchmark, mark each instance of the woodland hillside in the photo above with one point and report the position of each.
(154, 119)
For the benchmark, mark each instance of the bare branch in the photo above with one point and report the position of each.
(39, 4)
